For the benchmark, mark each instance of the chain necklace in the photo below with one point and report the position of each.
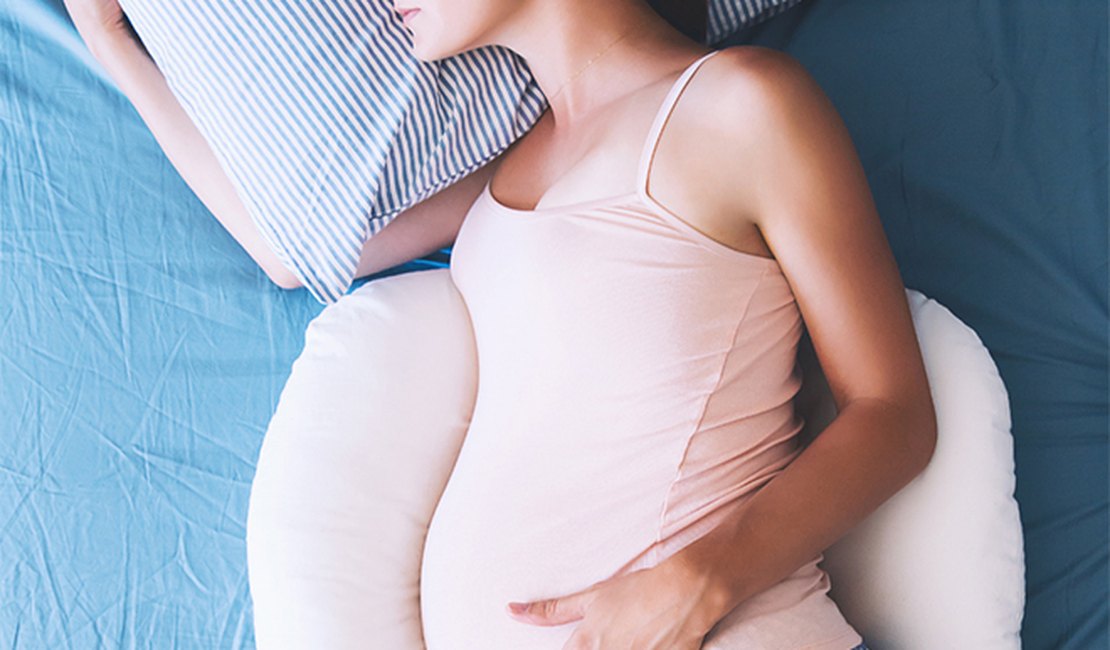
(592, 59)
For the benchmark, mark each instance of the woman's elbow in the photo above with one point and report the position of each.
(283, 278)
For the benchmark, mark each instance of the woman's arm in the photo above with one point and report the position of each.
(107, 33)
(422, 229)
(811, 200)
(425, 227)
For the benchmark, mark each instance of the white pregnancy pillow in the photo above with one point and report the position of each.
(359, 450)
(941, 563)
(369, 425)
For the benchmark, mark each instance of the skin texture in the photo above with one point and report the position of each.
(756, 156)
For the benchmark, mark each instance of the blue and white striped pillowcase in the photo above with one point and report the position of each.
(328, 127)
(726, 17)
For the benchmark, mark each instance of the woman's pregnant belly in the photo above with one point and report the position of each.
(534, 514)
(545, 501)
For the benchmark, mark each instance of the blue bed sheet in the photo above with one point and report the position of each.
(142, 351)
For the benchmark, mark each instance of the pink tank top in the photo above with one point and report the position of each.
(635, 384)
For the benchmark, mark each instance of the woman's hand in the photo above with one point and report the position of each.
(666, 607)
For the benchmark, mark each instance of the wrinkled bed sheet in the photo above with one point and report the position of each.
(142, 351)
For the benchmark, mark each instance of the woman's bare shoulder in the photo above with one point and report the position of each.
(756, 64)
(755, 103)
(749, 79)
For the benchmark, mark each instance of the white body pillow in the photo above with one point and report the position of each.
(941, 564)
(372, 418)
(359, 449)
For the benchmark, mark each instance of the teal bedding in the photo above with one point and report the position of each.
(142, 351)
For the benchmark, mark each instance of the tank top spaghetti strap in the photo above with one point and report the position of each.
(635, 387)
(642, 193)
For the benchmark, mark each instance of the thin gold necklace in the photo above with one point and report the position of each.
(588, 63)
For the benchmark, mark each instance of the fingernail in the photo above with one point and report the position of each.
(518, 608)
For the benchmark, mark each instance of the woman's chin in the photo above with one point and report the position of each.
(430, 56)
(420, 51)
(435, 49)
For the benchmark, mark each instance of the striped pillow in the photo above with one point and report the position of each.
(326, 124)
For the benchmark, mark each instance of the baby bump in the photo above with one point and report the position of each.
(481, 554)
(520, 528)
(542, 515)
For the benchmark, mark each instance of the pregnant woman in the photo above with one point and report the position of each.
(639, 269)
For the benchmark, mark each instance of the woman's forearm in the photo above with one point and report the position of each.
(870, 451)
(142, 82)
(423, 228)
